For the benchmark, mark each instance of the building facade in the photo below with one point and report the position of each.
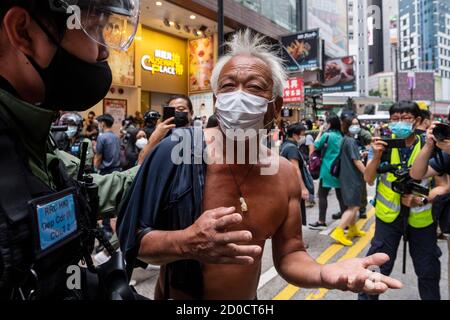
(425, 35)
(358, 44)
(176, 49)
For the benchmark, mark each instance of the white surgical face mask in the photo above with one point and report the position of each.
(241, 110)
(72, 131)
(355, 129)
(141, 143)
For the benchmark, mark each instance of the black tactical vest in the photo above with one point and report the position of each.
(19, 268)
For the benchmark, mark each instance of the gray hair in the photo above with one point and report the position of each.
(244, 43)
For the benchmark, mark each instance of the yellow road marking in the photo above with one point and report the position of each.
(288, 292)
(353, 252)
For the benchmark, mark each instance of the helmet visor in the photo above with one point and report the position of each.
(111, 23)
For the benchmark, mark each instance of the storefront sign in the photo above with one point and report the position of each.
(386, 87)
(339, 76)
(163, 62)
(294, 93)
(303, 50)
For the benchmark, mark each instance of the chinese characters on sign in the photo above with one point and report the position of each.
(294, 93)
(303, 51)
(163, 62)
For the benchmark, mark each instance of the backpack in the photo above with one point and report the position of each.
(306, 175)
(315, 161)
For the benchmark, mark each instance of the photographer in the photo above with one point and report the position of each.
(390, 205)
(429, 164)
(46, 66)
(438, 165)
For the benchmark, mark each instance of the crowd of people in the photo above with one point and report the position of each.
(179, 205)
(351, 157)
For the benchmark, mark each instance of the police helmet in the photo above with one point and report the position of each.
(71, 119)
(151, 115)
(111, 23)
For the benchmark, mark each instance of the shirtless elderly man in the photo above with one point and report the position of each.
(213, 250)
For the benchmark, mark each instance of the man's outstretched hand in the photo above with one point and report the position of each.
(353, 275)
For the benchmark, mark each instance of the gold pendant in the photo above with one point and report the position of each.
(244, 206)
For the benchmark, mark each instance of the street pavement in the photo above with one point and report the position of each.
(324, 250)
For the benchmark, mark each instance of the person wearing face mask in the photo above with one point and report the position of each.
(290, 150)
(363, 139)
(184, 111)
(74, 123)
(352, 183)
(205, 221)
(422, 228)
(434, 161)
(52, 60)
(328, 141)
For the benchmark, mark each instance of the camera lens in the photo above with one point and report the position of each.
(442, 132)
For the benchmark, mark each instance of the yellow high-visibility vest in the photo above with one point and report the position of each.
(388, 202)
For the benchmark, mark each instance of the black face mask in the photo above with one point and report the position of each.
(72, 84)
(181, 119)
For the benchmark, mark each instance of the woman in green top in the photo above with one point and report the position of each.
(329, 142)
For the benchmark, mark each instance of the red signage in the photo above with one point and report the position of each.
(294, 93)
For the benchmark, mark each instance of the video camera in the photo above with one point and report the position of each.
(404, 185)
(442, 132)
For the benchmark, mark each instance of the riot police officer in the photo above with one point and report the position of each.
(52, 57)
(75, 139)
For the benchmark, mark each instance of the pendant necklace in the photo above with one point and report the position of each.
(244, 206)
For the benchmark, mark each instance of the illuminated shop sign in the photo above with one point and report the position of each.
(163, 62)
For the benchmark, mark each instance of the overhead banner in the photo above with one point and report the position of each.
(338, 75)
(201, 64)
(386, 87)
(303, 50)
(294, 92)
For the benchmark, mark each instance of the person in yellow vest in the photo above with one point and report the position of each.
(405, 117)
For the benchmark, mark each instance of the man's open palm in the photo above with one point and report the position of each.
(353, 275)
